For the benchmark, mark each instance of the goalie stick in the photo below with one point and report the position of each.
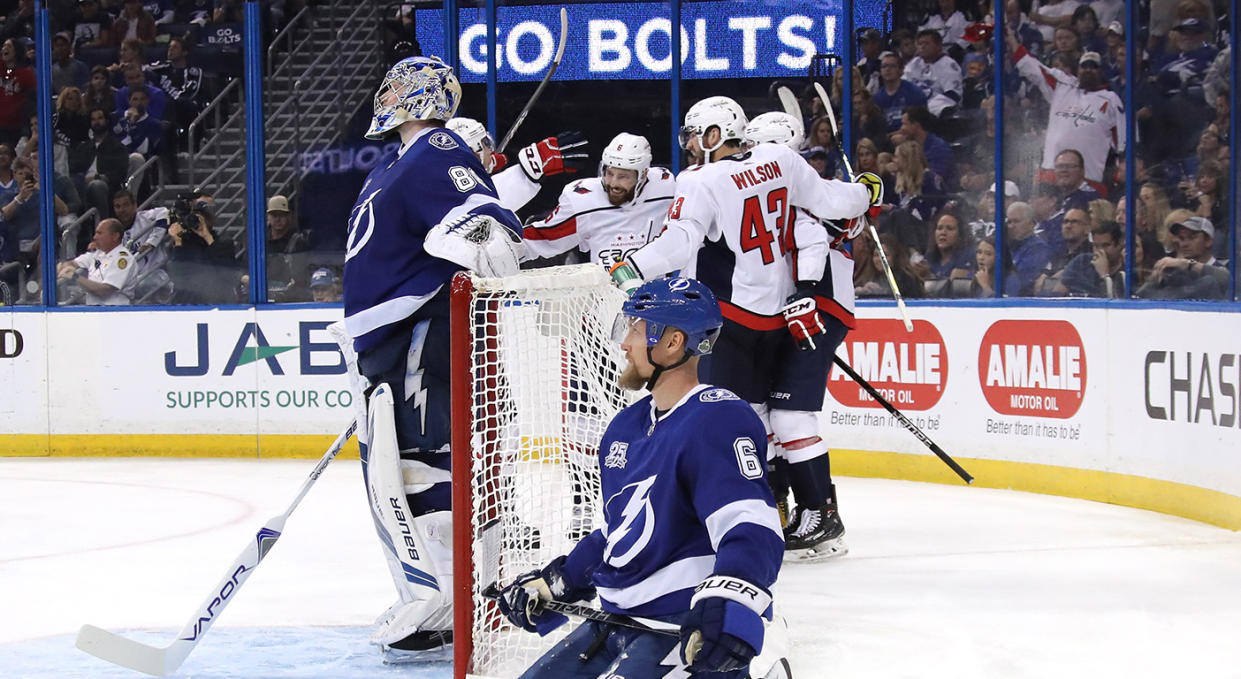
(913, 428)
(874, 233)
(158, 661)
(521, 117)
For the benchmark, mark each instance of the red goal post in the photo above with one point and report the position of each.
(534, 385)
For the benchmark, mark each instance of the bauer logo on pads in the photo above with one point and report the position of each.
(1035, 368)
(910, 370)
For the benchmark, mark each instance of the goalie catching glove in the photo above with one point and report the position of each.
(565, 152)
(477, 242)
(522, 601)
(724, 630)
(801, 315)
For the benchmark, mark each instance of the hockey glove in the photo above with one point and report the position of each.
(522, 601)
(565, 152)
(874, 184)
(801, 315)
(724, 630)
(842, 231)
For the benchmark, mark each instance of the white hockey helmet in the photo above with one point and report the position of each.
(416, 88)
(472, 133)
(720, 112)
(627, 152)
(778, 127)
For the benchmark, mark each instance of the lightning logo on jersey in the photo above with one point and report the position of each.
(638, 510)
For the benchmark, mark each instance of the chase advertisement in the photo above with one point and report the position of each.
(632, 41)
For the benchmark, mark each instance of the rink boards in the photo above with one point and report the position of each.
(1136, 407)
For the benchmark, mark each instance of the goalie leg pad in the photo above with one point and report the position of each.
(418, 549)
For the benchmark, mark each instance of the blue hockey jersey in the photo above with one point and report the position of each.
(684, 497)
(388, 275)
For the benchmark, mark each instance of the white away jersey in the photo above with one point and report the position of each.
(584, 219)
(1090, 122)
(685, 496)
(730, 226)
(514, 188)
(817, 258)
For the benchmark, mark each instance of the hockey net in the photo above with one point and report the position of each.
(534, 386)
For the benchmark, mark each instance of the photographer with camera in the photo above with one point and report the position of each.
(203, 263)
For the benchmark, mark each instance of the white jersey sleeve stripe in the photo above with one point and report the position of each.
(736, 513)
(676, 576)
(385, 313)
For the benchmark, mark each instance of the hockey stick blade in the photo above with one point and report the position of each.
(521, 117)
(158, 661)
(789, 103)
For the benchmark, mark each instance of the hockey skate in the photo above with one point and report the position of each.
(818, 535)
(419, 647)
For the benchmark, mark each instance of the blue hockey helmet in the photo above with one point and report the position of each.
(681, 303)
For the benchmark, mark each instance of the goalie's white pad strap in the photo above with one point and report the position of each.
(733, 589)
(418, 550)
(357, 383)
(477, 242)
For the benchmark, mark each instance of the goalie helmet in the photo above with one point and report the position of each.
(472, 133)
(416, 88)
(778, 127)
(627, 152)
(720, 112)
(681, 303)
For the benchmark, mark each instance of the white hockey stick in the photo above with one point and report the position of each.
(874, 233)
(161, 661)
(789, 102)
(521, 117)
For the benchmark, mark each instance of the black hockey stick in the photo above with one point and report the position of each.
(492, 591)
(521, 117)
(159, 661)
(913, 428)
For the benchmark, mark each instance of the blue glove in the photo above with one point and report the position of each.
(522, 601)
(724, 630)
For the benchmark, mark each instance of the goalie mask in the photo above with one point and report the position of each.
(416, 88)
(626, 152)
(476, 137)
(718, 112)
(778, 127)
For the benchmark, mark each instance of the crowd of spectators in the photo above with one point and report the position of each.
(128, 77)
(924, 119)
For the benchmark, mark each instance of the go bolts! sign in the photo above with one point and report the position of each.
(1033, 368)
(910, 370)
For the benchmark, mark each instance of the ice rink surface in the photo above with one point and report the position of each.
(941, 581)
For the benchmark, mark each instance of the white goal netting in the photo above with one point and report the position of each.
(542, 388)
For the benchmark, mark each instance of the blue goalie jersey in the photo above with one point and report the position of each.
(685, 496)
(388, 275)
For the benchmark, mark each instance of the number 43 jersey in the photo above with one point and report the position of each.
(685, 496)
(732, 226)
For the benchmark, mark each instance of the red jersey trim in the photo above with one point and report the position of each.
(557, 232)
(750, 319)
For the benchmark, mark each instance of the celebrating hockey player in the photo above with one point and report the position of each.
(823, 269)
(612, 215)
(519, 184)
(426, 211)
(732, 226)
(690, 534)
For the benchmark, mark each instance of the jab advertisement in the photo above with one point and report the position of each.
(632, 40)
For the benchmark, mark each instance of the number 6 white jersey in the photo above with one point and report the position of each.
(732, 226)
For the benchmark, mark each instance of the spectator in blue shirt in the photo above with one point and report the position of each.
(1029, 254)
(950, 250)
(916, 124)
(137, 130)
(895, 94)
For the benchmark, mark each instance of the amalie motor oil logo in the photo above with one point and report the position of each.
(910, 370)
(1033, 368)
